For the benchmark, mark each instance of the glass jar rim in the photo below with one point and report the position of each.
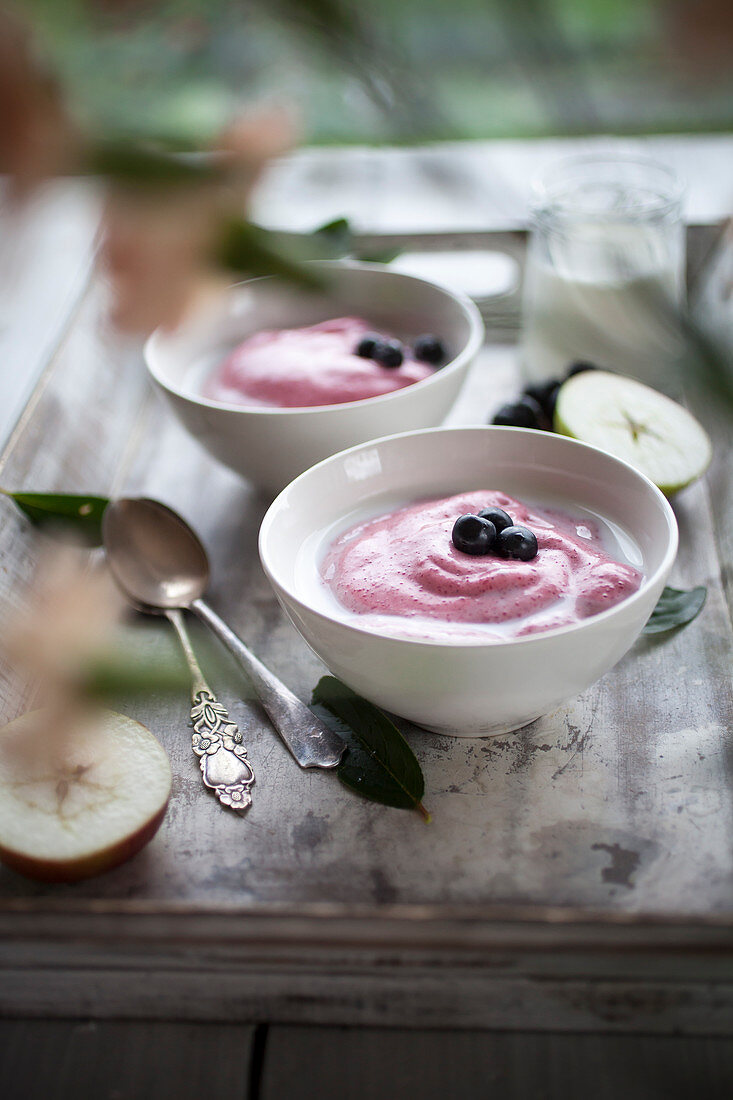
(556, 193)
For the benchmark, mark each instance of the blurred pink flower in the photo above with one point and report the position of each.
(159, 244)
(37, 139)
(53, 638)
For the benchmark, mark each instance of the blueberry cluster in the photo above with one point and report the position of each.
(391, 353)
(536, 407)
(494, 530)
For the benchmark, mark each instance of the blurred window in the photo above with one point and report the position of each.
(411, 70)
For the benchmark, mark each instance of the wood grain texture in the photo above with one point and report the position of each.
(46, 252)
(344, 1064)
(600, 805)
(123, 1061)
(322, 989)
(616, 809)
(70, 438)
(580, 810)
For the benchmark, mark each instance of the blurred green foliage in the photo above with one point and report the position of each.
(415, 70)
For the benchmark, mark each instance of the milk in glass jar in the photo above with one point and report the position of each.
(604, 277)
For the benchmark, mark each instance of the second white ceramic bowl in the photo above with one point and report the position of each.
(479, 687)
(270, 446)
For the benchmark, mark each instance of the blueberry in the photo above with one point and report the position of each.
(473, 535)
(525, 413)
(389, 353)
(498, 517)
(505, 415)
(367, 345)
(516, 542)
(579, 367)
(545, 394)
(429, 349)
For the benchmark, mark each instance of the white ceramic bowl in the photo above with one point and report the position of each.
(272, 446)
(466, 688)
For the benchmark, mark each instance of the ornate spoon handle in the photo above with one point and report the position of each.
(216, 740)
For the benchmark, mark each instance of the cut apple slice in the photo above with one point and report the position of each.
(92, 803)
(636, 423)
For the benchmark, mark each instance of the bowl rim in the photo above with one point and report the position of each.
(453, 645)
(470, 311)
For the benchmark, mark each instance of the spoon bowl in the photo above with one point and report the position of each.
(155, 556)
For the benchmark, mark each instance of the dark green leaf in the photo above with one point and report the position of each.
(380, 256)
(127, 162)
(80, 515)
(675, 607)
(254, 251)
(335, 236)
(379, 764)
(339, 240)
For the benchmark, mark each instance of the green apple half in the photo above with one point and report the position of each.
(637, 424)
(87, 804)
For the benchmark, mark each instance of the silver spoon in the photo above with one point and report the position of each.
(157, 560)
(216, 740)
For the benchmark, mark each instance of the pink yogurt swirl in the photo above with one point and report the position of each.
(300, 367)
(404, 564)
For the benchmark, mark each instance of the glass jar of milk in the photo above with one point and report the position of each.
(604, 275)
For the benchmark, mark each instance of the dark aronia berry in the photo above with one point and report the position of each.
(579, 368)
(525, 413)
(429, 349)
(366, 346)
(498, 517)
(516, 542)
(545, 394)
(504, 416)
(389, 353)
(473, 535)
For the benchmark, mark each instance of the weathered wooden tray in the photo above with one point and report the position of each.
(577, 874)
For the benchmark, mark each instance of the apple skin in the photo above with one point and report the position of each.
(114, 815)
(73, 870)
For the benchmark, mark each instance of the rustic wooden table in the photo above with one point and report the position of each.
(577, 876)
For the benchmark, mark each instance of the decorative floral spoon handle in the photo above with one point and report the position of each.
(216, 740)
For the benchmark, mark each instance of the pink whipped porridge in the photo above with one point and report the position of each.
(295, 368)
(401, 571)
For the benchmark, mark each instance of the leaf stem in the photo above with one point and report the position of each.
(424, 814)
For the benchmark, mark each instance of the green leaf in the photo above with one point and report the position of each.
(675, 607)
(338, 239)
(378, 764)
(249, 249)
(335, 238)
(147, 166)
(252, 250)
(380, 256)
(80, 515)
